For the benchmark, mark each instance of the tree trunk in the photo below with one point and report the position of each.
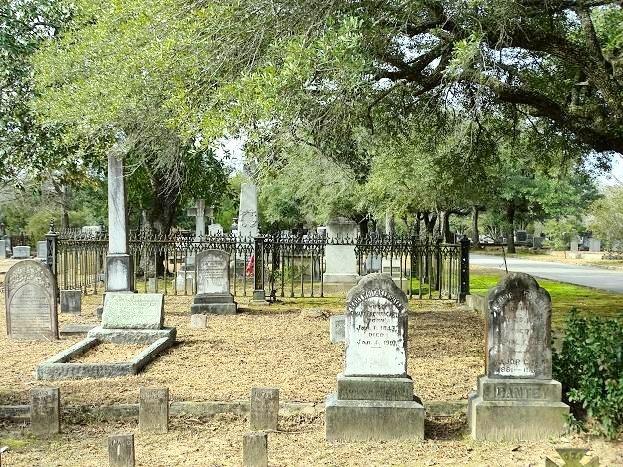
(475, 232)
(444, 226)
(429, 223)
(416, 225)
(162, 213)
(510, 228)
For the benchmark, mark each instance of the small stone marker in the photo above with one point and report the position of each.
(374, 398)
(133, 311)
(572, 457)
(213, 284)
(264, 411)
(255, 449)
(151, 285)
(21, 252)
(42, 249)
(153, 410)
(336, 328)
(45, 410)
(71, 301)
(198, 321)
(30, 298)
(121, 450)
(517, 399)
(215, 229)
(2, 249)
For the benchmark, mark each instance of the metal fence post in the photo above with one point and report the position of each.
(259, 294)
(464, 269)
(51, 239)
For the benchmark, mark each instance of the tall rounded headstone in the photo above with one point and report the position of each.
(374, 398)
(30, 300)
(212, 272)
(517, 399)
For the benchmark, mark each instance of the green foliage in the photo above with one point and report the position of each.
(559, 232)
(590, 367)
(607, 216)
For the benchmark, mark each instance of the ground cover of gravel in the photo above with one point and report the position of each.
(285, 346)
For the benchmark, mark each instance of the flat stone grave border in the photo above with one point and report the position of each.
(60, 367)
(18, 413)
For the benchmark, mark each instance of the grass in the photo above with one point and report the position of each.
(589, 302)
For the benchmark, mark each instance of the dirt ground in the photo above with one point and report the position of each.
(285, 346)
(299, 441)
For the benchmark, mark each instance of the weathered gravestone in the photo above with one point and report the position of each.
(336, 328)
(121, 450)
(21, 252)
(42, 249)
(153, 410)
(30, 298)
(3, 248)
(198, 321)
(215, 229)
(213, 294)
(133, 311)
(374, 398)
(248, 225)
(573, 244)
(255, 449)
(517, 399)
(264, 409)
(45, 411)
(71, 301)
(341, 267)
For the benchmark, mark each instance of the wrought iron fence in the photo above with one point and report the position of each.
(268, 267)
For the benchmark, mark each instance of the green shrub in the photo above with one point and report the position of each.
(590, 367)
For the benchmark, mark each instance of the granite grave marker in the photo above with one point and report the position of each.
(255, 449)
(30, 300)
(213, 294)
(71, 301)
(153, 411)
(264, 412)
(121, 450)
(45, 411)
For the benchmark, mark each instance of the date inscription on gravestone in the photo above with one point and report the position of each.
(30, 294)
(376, 318)
(212, 272)
(518, 336)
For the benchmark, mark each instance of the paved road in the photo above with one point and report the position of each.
(598, 278)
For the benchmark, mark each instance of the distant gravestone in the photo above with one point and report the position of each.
(594, 245)
(42, 249)
(255, 449)
(212, 274)
(198, 321)
(573, 244)
(151, 285)
(248, 225)
(71, 301)
(92, 229)
(517, 398)
(153, 412)
(121, 450)
(21, 252)
(374, 398)
(45, 411)
(3, 248)
(30, 298)
(336, 328)
(215, 229)
(264, 411)
(341, 260)
(133, 311)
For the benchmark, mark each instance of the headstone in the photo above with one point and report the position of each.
(517, 399)
(521, 236)
(185, 282)
(198, 321)
(71, 301)
(264, 411)
(248, 225)
(133, 311)
(151, 285)
(3, 249)
(92, 229)
(215, 229)
(573, 244)
(341, 260)
(199, 212)
(374, 263)
(21, 252)
(119, 264)
(594, 245)
(255, 449)
(212, 274)
(153, 410)
(374, 398)
(30, 300)
(45, 411)
(121, 450)
(42, 249)
(336, 328)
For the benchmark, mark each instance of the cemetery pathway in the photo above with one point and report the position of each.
(598, 278)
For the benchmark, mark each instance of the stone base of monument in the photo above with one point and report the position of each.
(373, 408)
(60, 367)
(219, 304)
(259, 297)
(516, 409)
(120, 273)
